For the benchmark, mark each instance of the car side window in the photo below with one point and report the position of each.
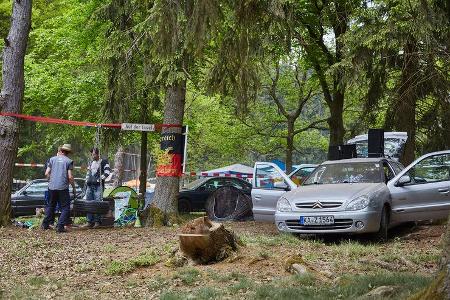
(301, 174)
(212, 184)
(399, 164)
(37, 189)
(396, 167)
(431, 169)
(234, 183)
(267, 177)
(388, 173)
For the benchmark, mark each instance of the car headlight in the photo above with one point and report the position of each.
(358, 203)
(283, 205)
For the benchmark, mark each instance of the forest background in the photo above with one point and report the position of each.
(265, 79)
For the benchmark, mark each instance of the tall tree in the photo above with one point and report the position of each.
(263, 28)
(181, 29)
(11, 98)
(292, 91)
(312, 22)
(400, 48)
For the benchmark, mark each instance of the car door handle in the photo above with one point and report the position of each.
(258, 198)
(444, 191)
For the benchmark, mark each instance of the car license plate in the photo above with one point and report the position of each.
(321, 220)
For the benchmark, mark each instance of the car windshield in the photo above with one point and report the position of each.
(346, 173)
(195, 184)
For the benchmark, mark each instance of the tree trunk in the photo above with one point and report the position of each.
(167, 188)
(406, 100)
(118, 167)
(289, 145)
(336, 122)
(143, 163)
(11, 99)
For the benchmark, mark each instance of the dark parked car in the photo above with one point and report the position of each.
(193, 197)
(25, 201)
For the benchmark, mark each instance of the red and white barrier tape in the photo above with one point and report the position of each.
(206, 174)
(201, 174)
(77, 123)
(33, 165)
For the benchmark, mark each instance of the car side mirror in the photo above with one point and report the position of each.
(201, 188)
(281, 185)
(24, 193)
(403, 180)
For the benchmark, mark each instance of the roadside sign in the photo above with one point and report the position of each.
(138, 127)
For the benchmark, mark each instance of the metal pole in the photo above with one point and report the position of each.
(185, 148)
(97, 145)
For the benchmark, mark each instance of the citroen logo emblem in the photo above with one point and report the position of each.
(317, 205)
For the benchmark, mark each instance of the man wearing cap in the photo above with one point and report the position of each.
(59, 173)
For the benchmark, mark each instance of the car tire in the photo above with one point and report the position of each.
(382, 234)
(91, 207)
(184, 206)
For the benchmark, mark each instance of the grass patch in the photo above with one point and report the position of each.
(350, 287)
(145, 259)
(80, 220)
(110, 248)
(85, 267)
(118, 268)
(264, 254)
(172, 296)
(354, 249)
(276, 240)
(420, 258)
(206, 293)
(233, 276)
(132, 283)
(188, 275)
(157, 283)
(21, 292)
(243, 285)
(37, 281)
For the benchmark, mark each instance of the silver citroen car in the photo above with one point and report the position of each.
(366, 195)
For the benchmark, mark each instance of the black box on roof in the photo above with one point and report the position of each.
(375, 143)
(341, 152)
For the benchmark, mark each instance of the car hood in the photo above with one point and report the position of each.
(331, 192)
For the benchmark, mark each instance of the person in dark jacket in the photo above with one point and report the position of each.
(98, 171)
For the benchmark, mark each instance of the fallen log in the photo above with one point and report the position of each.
(205, 242)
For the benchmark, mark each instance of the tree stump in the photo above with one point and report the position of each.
(204, 241)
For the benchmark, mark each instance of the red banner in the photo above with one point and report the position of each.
(172, 169)
(170, 159)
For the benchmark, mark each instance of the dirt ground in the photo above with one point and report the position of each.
(123, 263)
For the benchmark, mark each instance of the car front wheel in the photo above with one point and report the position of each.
(382, 234)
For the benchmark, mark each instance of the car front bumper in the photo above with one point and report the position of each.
(344, 222)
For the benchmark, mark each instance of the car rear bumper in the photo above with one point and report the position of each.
(344, 222)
